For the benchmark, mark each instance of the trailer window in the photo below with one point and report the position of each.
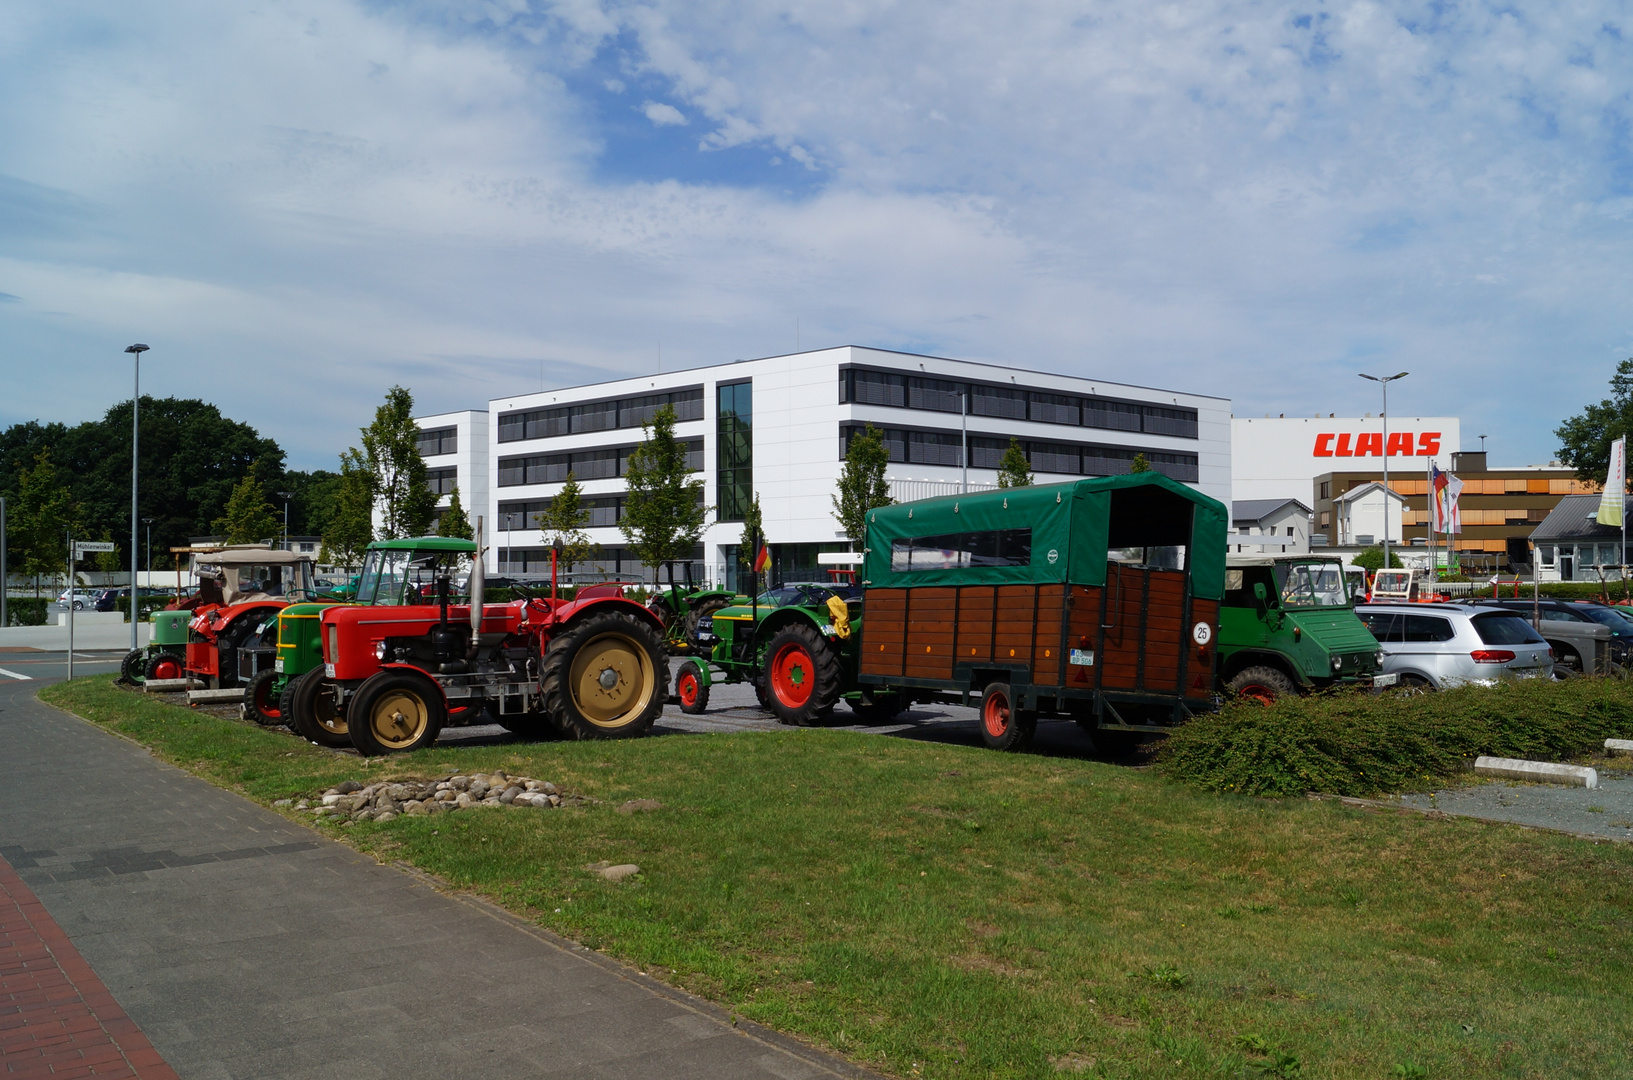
(992, 547)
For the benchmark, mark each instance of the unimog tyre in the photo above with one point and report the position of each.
(1004, 727)
(263, 699)
(690, 689)
(606, 677)
(395, 712)
(872, 708)
(1261, 683)
(308, 706)
(801, 676)
(165, 665)
(133, 668)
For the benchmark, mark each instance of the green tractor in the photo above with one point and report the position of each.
(681, 608)
(164, 656)
(796, 645)
(291, 689)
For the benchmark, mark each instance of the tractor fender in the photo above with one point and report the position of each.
(1247, 658)
(782, 617)
(577, 609)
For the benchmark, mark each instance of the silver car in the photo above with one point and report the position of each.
(1441, 645)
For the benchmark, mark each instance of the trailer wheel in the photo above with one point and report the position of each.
(260, 703)
(691, 689)
(165, 665)
(605, 677)
(308, 706)
(133, 668)
(1003, 727)
(879, 708)
(395, 712)
(801, 676)
(1262, 684)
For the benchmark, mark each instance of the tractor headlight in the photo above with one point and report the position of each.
(1378, 658)
(379, 650)
(1337, 662)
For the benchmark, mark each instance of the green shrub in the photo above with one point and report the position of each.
(26, 610)
(1367, 744)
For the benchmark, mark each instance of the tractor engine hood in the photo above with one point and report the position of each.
(1338, 630)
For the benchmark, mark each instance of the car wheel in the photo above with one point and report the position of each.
(395, 712)
(1262, 684)
(1413, 685)
(1004, 727)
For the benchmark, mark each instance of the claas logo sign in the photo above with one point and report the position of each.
(1371, 444)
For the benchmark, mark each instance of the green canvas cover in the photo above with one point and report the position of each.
(1072, 527)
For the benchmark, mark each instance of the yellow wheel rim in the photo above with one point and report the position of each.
(398, 718)
(611, 680)
(328, 719)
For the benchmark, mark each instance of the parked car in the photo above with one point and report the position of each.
(1435, 646)
(1584, 637)
(110, 599)
(80, 598)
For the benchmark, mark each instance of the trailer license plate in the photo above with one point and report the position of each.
(328, 671)
(1385, 680)
(278, 665)
(1083, 657)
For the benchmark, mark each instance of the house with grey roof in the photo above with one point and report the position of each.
(1571, 545)
(1269, 525)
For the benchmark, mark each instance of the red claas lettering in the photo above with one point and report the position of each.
(1369, 443)
(1429, 443)
(1323, 445)
(1343, 445)
(1400, 443)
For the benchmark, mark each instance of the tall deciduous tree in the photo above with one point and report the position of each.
(862, 484)
(453, 521)
(40, 520)
(1013, 469)
(351, 526)
(391, 449)
(563, 521)
(248, 518)
(664, 513)
(1584, 439)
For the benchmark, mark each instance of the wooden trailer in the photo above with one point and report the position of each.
(1097, 599)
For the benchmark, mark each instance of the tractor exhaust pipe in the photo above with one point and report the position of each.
(478, 578)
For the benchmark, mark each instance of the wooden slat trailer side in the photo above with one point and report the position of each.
(1097, 599)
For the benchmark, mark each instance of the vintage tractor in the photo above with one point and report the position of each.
(241, 590)
(594, 667)
(681, 607)
(164, 656)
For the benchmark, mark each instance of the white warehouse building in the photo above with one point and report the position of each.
(778, 426)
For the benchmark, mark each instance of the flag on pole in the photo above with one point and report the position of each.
(763, 559)
(1444, 488)
(1610, 503)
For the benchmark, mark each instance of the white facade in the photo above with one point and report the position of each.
(455, 448)
(1280, 457)
(1280, 530)
(1360, 514)
(802, 407)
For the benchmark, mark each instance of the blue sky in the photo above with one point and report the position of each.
(300, 202)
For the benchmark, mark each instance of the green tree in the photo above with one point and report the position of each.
(1139, 464)
(664, 513)
(1585, 438)
(563, 521)
(1013, 469)
(453, 521)
(40, 520)
(351, 526)
(391, 450)
(1372, 559)
(753, 534)
(248, 517)
(862, 484)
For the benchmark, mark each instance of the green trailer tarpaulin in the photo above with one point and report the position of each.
(1046, 533)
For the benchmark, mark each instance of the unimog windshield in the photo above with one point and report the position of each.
(1314, 584)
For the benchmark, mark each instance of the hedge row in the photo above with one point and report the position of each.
(26, 610)
(1370, 744)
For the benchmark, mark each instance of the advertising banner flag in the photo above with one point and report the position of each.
(1444, 488)
(1610, 503)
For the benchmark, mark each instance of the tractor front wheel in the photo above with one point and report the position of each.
(395, 712)
(263, 699)
(1262, 684)
(308, 707)
(690, 688)
(165, 665)
(605, 677)
(801, 675)
(133, 668)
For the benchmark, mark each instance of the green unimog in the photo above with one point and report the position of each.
(1288, 626)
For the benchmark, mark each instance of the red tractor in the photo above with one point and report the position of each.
(594, 667)
(241, 590)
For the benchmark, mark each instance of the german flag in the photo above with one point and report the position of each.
(763, 559)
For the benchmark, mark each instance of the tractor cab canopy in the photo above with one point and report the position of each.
(1050, 533)
(405, 571)
(246, 572)
(1290, 581)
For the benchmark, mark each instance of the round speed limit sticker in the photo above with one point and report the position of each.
(1202, 633)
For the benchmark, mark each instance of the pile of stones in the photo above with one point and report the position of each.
(417, 798)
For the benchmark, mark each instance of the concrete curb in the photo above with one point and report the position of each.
(205, 697)
(166, 686)
(1618, 746)
(1448, 815)
(1539, 772)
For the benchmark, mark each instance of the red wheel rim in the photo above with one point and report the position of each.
(995, 714)
(166, 669)
(264, 701)
(1257, 692)
(791, 675)
(687, 688)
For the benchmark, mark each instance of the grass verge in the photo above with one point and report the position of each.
(948, 912)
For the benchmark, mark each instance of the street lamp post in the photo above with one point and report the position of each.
(286, 496)
(149, 523)
(1384, 381)
(136, 352)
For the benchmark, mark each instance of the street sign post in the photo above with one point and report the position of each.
(91, 547)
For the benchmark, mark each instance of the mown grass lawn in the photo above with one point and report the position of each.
(948, 912)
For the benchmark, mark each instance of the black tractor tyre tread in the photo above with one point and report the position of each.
(699, 613)
(821, 703)
(1264, 675)
(252, 692)
(1022, 725)
(154, 661)
(299, 711)
(702, 703)
(362, 734)
(558, 657)
(133, 668)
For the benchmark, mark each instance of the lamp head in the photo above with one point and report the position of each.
(137, 349)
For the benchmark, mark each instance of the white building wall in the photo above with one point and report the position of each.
(1364, 516)
(1286, 531)
(470, 457)
(1280, 457)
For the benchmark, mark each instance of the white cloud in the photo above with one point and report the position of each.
(663, 115)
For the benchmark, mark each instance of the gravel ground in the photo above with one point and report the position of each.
(1605, 811)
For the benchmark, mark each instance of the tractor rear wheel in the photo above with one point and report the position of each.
(1261, 683)
(263, 699)
(801, 675)
(605, 677)
(308, 706)
(395, 712)
(1004, 727)
(698, 614)
(133, 668)
(165, 665)
(690, 688)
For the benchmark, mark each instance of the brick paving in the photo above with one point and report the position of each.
(56, 1017)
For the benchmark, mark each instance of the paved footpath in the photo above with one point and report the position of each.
(243, 945)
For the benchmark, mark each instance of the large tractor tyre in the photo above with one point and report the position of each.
(395, 712)
(1261, 683)
(165, 665)
(762, 695)
(690, 689)
(606, 677)
(308, 706)
(698, 614)
(263, 699)
(133, 668)
(1004, 727)
(801, 675)
(879, 708)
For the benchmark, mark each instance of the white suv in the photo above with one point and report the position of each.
(1441, 645)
